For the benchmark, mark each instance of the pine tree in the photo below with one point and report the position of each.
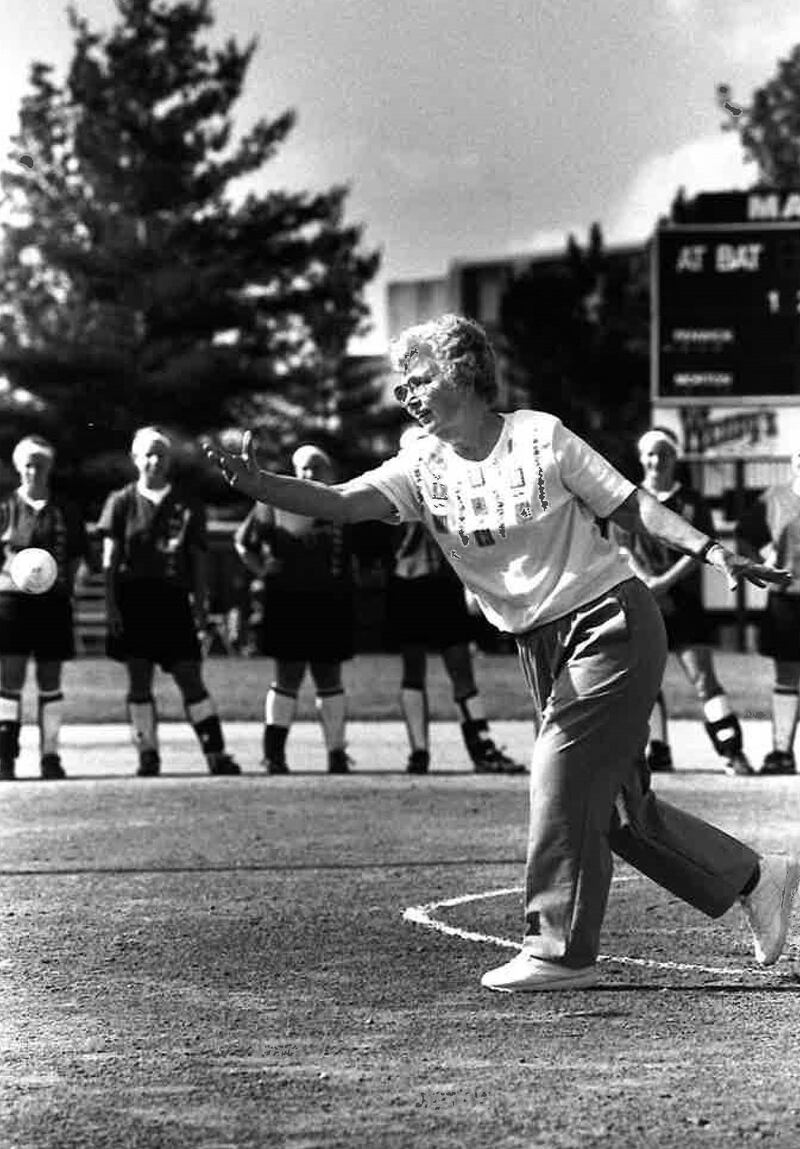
(131, 289)
(769, 127)
(355, 420)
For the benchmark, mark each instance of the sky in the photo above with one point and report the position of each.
(474, 129)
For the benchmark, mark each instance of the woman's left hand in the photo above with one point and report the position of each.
(240, 471)
(737, 568)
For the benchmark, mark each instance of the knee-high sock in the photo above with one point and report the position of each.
(202, 714)
(784, 717)
(50, 713)
(722, 726)
(143, 718)
(279, 707)
(10, 718)
(414, 704)
(659, 721)
(331, 711)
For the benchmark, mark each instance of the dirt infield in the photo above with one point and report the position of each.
(192, 962)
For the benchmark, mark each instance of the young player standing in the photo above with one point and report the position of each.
(675, 579)
(36, 626)
(154, 550)
(307, 621)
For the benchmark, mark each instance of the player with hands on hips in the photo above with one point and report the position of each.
(154, 555)
(513, 501)
(308, 619)
(675, 579)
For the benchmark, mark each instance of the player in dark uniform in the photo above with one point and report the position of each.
(427, 612)
(772, 529)
(675, 580)
(306, 566)
(154, 558)
(36, 626)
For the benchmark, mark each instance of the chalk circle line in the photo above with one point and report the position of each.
(425, 915)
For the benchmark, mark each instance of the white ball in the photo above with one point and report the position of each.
(33, 570)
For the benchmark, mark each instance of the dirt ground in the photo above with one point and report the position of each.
(197, 963)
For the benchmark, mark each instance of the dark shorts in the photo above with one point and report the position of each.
(302, 624)
(686, 623)
(157, 624)
(38, 625)
(779, 634)
(429, 612)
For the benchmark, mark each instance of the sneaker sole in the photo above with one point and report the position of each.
(583, 980)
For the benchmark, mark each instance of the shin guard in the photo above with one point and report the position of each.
(722, 726)
(203, 717)
(10, 720)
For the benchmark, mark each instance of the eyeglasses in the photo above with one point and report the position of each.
(402, 391)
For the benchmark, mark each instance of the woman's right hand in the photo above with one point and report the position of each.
(239, 471)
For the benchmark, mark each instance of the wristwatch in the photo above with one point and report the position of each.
(702, 554)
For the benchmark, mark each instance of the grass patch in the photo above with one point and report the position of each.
(95, 688)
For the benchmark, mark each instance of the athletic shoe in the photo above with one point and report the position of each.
(738, 764)
(221, 763)
(51, 767)
(275, 765)
(339, 762)
(149, 764)
(6, 771)
(778, 762)
(659, 758)
(490, 759)
(418, 762)
(769, 907)
(526, 973)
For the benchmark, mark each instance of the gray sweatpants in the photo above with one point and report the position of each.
(594, 676)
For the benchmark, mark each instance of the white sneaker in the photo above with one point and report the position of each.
(769, 907)
(528, 974)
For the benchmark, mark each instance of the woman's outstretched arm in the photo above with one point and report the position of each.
(351, 502)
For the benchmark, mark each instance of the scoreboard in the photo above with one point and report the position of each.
(726, 312)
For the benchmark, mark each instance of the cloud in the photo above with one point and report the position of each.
(710, 163)
(681, 7)
(747, 36)
(548, 240)
(419, 167)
